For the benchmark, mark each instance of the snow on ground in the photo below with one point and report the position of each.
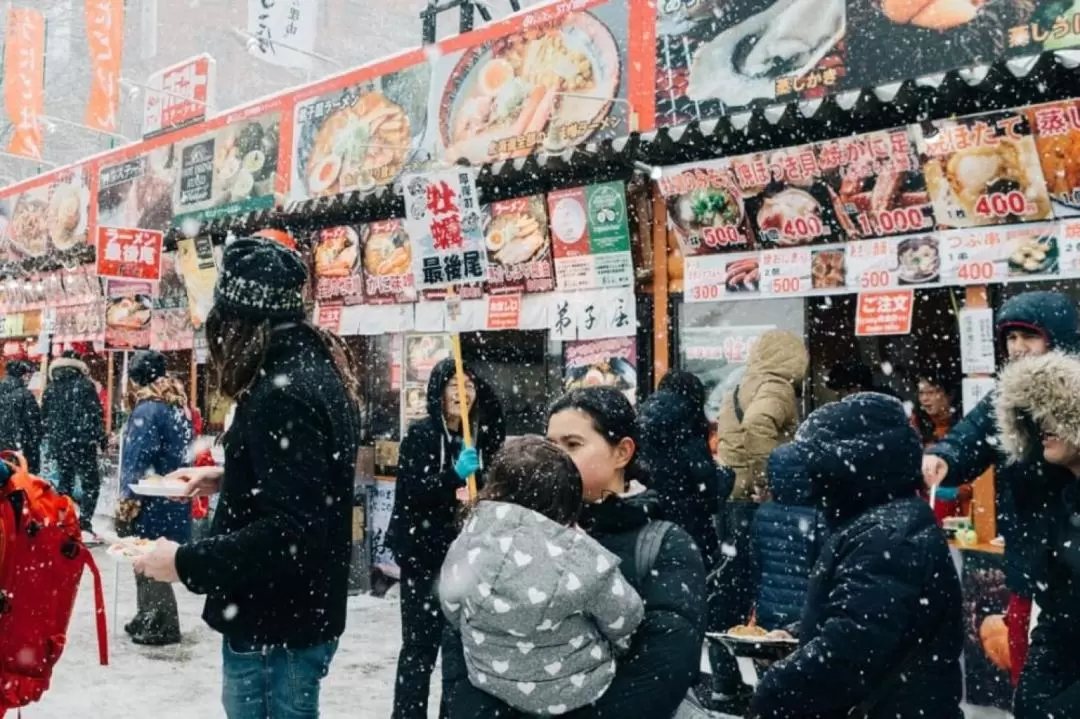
(184, 681)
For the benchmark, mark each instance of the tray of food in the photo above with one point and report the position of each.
(753, 642)
(130, 548)
(160, 487)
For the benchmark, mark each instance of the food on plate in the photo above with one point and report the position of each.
(65, 215)
(132, 547)
(1032, 255)
(779, 635)
(742, 275)
(359, 146)
(919, 260)
(129, 313)
(387, 253)
(337, 252)
(827, 270)
(751, 631)
(515, 238)
(932, 14)
(787, 39)
(790, 209)
(29, 226)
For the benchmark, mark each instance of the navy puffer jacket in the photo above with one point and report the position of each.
(787, 536)
(1022, 490)
(882, 631)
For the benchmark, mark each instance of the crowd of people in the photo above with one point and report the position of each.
(584, 576)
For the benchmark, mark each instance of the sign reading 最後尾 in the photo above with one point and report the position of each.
(126, 253)
(443, 221)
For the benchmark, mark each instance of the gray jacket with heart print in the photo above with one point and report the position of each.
(541, 608)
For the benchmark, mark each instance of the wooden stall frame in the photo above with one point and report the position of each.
(659, 285)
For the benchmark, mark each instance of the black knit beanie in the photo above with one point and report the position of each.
(19, 368)
(146, 368)
(261, 280)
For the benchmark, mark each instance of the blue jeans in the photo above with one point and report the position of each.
(272, 682)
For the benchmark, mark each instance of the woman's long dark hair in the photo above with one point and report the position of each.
(238, 347)
(612, 416)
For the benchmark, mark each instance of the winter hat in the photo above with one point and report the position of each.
(1037, 394)
(146, 367)
(261, 279)
(1050, 314)
(19, 368)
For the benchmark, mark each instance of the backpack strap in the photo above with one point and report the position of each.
(650, 539)
(99, 605)
(737, 405)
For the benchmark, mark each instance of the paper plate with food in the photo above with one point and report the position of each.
(511, 87)
(129, 549)
(160, 487)
(755, 642)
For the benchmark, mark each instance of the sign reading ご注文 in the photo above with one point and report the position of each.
(444, 223)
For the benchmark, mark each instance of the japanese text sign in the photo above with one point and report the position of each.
(444, 223)
(284, 31)
(977, 341)
(127, 253)
(105, 36)
(24, 80)
(591, 237)
(181, 95)
(504, 312)
(884, 313)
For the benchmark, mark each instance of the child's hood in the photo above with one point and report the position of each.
(515, 571)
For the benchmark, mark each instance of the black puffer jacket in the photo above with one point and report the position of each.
(691, 486)
(71, 412)
(1035, 395)
(20, 421)
(884, 599)
(654, 676)
(424, 521)
(1021, 489)
(276, 568)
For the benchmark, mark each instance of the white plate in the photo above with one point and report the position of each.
(125, 551)
(770, 641)
(159, 490)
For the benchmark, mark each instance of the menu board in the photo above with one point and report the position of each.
(338, 264)
(1057, 137)
(983, 170)
(388, 276)
(705, 208)
(518, 246)
(137, 192)
(49, 216)
(893, 262)
(358, 135)
(591, 237)
(602, 363)
(875, 184)
(1044, 26)
(714, 59)
(128, 311)
(549, 79)
(229, 170)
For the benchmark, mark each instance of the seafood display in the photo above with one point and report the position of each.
(742, 275)
(359, 146)
(1033, 255)
(827, 269)
(918, 260)
(790, 217)
(515, 88)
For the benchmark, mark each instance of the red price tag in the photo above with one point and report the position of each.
(897, 221)
(803, 228)
(1003, 204)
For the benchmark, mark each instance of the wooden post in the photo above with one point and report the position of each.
(659, 285)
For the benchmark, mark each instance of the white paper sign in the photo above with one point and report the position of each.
(284, 31)
(973, 257)
(974, 389)
(977, 341)
(445, 228)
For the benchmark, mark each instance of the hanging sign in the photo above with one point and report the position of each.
(284, 31)
(105, 36)
(785, 272)
(591, 237)
(24, 80)
(503, 312)
(126, 253)
(884, 313)
(180, 95)
(444, 225)
(977, 341)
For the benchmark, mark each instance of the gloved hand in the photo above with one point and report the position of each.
(467, 463)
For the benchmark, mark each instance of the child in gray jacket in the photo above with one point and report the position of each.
(542, 608)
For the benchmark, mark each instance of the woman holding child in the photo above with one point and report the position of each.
(616, 670)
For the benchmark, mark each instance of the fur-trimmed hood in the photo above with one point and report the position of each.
(65, 363)
(1037, 394)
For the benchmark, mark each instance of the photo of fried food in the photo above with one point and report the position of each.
(742, 275)
(827, 270)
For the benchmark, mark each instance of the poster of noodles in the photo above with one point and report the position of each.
(338, 276)
(360, 134)
(547, 80)
(717, 56)
(606, 363)
(128, 310)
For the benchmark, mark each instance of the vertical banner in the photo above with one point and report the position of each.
(284, 31)
(443, 221)
(24, 79)
(105, 36)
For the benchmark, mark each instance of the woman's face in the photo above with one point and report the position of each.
(1058, 451)
(451, 401)
(601, 465)
(933, 399)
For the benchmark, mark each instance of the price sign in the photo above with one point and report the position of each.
(786, 273)
(896, 221)
(973, 257)
(871, 264)
(711, 278)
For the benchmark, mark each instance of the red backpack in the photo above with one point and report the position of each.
(41, 564)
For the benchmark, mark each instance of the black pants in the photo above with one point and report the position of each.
(733, 589)
(158, 617)
(422, 624)
(80, 463)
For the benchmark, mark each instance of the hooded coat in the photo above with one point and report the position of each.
(156, 440)
(520, 589)
(776, 366)
(71, 413)
(20, 421)
(424, 519)
(653, 677)
(1021, 488)
(691, 486)
(788, 534)
(1035, 395)
(882, 624)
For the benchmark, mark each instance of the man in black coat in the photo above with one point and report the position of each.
(433, 465)
(1030, 324)
(20, 416)
(276, 566)
(74, 423)
(882, 629)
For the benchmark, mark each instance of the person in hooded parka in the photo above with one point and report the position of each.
(882, 632)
